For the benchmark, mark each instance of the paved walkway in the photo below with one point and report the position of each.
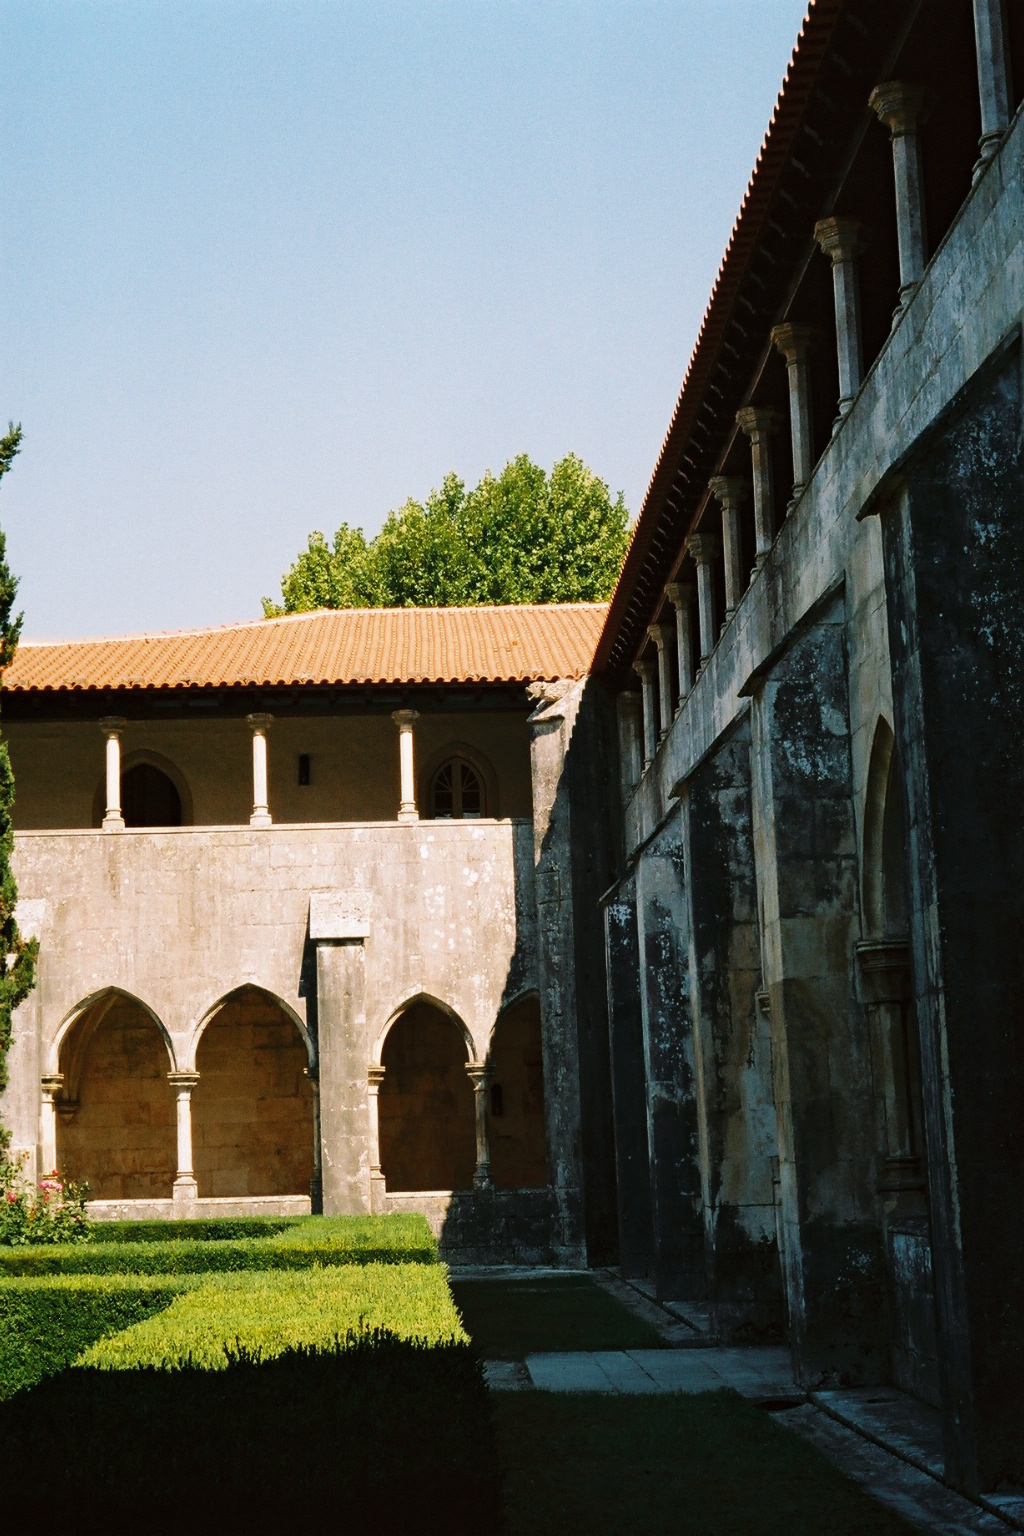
(763, 1375)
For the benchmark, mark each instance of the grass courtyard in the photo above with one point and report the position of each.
(324, 1374)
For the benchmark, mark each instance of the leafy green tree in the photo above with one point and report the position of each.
(520, 537)
(17, 955)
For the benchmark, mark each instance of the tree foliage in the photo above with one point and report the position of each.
(521, 537)
(17, 955)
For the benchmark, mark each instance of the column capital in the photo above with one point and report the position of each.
(260, 722)
(183, 1082)
(645, 668)
(900, 106)
(374, 1076)
(479, 1074)
(681, 594)
(405, 719)
(728, 489)
(52, 1083)
(842, 239)
(661, 634)
(113, 725)
(702, 547)
(794, 340)
(757, 421)
(629, 702)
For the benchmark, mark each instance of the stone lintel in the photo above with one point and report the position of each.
(338, 915)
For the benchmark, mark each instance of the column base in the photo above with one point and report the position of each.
(408, 813)
(378, 1190)
(261, 819)
(482, 1179)
(185, 1193)
(113, 823)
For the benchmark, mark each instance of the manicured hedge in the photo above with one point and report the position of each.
(372, 1435)
(200, 1230)
(46, 1323)
(399, 1239)
(280, 1310)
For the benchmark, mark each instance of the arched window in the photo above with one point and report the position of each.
(149, 798)
(456, 790)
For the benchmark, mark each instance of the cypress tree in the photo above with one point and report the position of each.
(17, 955)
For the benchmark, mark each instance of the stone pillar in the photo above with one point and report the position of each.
(259, 725)
(759, 425)
(628, 709)
(405, 719)
(629, 1085)
(338, 927)
(480, 1076)
(644, 669)
(729, 491)
(112, 726)
(378, 1186)
(993, 77)
(901, 108)
(795, 343)
(681, 595)
(52, 1084)
(703, 551)
(316, 1183)
(843, 241)
(185, 1188)
(661, 634)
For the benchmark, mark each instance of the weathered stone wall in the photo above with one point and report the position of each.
(517, 1124)
(59, 766)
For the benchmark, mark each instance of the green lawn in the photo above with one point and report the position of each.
(708, 1465)
(507, 1319)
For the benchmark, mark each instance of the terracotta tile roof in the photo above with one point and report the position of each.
(329, 647)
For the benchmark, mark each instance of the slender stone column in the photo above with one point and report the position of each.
(644, 669)
(259, 725)
(843, 241)
(378, 1188)
(628, 708)
(795, 343)
(759, 425)
(729, 491)
(681, 594)
(316, 1183)
(112, 726)
(185, 1187)
(901, 108)
(405, 719)
(993, 77)
(480, 1076)
(703, 551)
(661, 634)
(52, 1084)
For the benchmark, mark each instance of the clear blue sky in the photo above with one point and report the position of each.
(272, 264)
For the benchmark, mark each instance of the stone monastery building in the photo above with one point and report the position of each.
(685, 935)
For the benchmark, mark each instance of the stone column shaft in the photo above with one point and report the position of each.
(702, 549)
(729, 491)
(405, 719)
(644, 669)
(374, 1078)
(661, 634)
(52, 1083)
(681, 595)
(993, 77)
(629, 712)
(795, 343)
(843, 241)
(759, 425)
(185, 1188)
(316, 1183)
(901, 108)
(480, 1077)
(344, 1091)
(259, 725)
(112, 726)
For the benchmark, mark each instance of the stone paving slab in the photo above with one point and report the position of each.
(762, 1375)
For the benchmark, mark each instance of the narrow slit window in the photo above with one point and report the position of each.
(304, 777)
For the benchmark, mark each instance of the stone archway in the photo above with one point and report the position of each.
(252, 1107)
(426, 1114)
(116, 1113)
(517, 1133)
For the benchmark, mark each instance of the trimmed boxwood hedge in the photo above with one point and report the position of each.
(324, 1240)
(46, 1323)
(198, 1230)
(373, 1434)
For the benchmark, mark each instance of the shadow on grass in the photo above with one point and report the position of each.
(508, 1319)
(377, 1434)
(706, 1465)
